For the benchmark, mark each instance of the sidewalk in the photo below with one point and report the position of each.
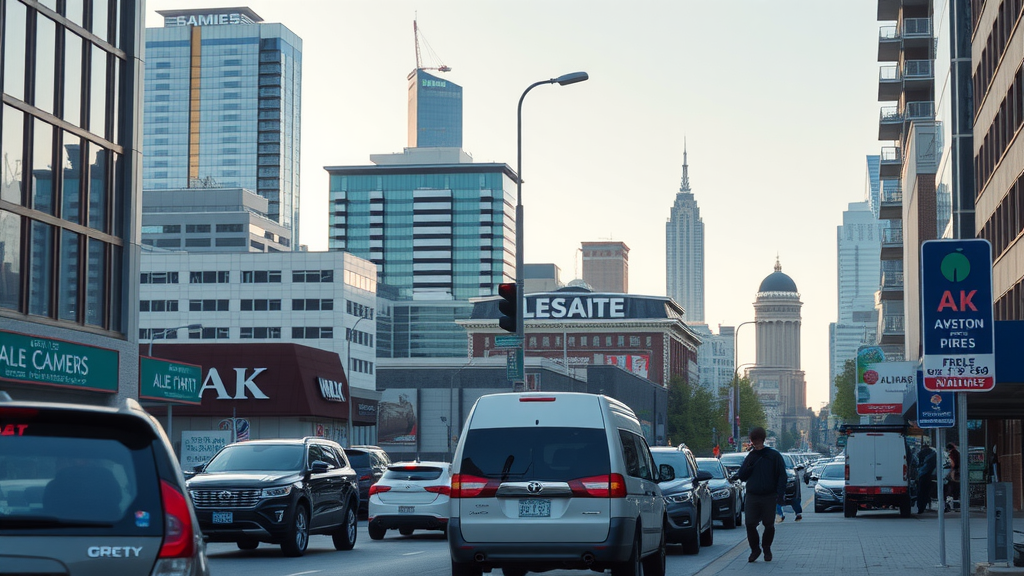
(874, 543)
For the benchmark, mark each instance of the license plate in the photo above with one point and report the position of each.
(222, 518)
(534, 508)
(886, 491)
(406, 509)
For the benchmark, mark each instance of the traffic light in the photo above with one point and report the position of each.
(508, 306)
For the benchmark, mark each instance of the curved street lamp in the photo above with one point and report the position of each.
(563, 80)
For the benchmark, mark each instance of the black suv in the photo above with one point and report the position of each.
(91, 490)
(277, 491)
(370, 463)
(687, 499)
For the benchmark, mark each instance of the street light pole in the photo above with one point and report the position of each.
(163, 334)
(348, 374)
(563, 80)
(734, 406)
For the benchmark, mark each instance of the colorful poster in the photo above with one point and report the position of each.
(396, 417)
(881, 385)
(635, 363)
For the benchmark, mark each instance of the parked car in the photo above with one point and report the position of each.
(277, 491)
(410, 496)
(690, 508)
(732, 461)
(555, 480)
(75, 480)
(369, 462)
(828, 492)
(726, 495)
(792, 473)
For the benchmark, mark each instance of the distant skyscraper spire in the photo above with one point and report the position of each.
(684, 185)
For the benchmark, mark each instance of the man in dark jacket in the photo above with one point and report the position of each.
(926, 461)
(764, 471)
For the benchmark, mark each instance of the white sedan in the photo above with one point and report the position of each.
(410, 496)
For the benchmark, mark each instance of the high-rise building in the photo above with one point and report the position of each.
(222, 107)
(435, 112)
(777, 378)
(69, 156)
(684, 252)
(859, 245)
(210, 220)
(606, 266)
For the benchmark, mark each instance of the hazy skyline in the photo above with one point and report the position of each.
(777, 102)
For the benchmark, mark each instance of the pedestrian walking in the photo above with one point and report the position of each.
(953, 476)
(764, 471)
(926, 461)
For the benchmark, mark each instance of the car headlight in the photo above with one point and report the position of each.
(276, 492)
(720, 493)
(680, 498)
(819, 489)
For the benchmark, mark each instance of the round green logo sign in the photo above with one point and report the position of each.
(955, 266)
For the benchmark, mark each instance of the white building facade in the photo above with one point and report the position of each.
(325, 300)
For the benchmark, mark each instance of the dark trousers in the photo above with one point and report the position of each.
(760, 508)
(925, 487)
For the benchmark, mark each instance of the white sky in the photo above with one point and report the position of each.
(777, 100)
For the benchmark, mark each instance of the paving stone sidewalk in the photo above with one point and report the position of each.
(874, 543)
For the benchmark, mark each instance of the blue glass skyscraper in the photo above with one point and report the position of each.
(435, 111)
(222, 107)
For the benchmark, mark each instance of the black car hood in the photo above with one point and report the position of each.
(718, 483)
(241, 480)
(676, 486)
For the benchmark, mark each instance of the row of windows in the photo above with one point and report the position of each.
(193, 242)
(223, 333)
(1007, 221)
(190, 228)
(245, 305)
(357, 309)
(584, 341)
(1001, 132)
(158, 305)
(361, 366)
(248, 277)
(1009, 11)
(359, 337)
(1010, 306)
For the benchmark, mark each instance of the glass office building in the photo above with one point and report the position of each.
(435, 112)
(222, 107)
(68, 161)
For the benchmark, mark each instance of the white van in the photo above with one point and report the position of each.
(879, 470)
(560, 480)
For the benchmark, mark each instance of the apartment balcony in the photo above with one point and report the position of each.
(891, 328)
(890, 163)
(892, 243)
(889, 43)
(890, 201)
(893, 122)
(918, 75)
(910, 33)
(892, 285)
(890, 83)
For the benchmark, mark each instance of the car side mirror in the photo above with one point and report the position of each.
(666, 473)
(703, 476)
(319, 467)
(198, 468)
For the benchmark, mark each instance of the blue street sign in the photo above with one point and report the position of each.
(934, 409)
(956, 315)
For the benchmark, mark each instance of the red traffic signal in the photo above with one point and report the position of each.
(508, 306)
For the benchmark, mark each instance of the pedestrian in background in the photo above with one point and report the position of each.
(954, 472)
(926, 461)
(764, 471)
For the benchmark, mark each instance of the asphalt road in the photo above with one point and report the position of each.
(424, 553)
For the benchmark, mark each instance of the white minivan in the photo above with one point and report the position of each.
(879, 469)
(558, 480)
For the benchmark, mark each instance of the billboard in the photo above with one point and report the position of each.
(635, 363)
(396, 417)
(881, 385)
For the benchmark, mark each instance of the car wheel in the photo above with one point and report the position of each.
(405, 531)
(630, 567)
(465, 569)
(297, 535)
(654, 565)
(248, 544)
(707, 537)
(345, 537)
(376, 532)
(729, 523)
(849, 509)
(818, 507)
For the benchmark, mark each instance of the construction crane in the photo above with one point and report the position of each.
(433, 56)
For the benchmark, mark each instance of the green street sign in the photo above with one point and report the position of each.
(514, 365)
(169, 381)
(35, 360)
(510, 341)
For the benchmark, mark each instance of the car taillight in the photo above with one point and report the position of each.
(603, 486)
(443, 490)
(468, 486)
(904, 471)
(364, 477)
(378, 488)
(846, 472)
(178, 529)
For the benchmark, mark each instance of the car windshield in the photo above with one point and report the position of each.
(538, 453)
(675, 459)
(711, 465)
(412, 472)
(258, 457)
(358, 459)
(733, 458)
(788, 460)
(834, 471)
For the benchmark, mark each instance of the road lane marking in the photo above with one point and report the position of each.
(306, 572)
(412, 553)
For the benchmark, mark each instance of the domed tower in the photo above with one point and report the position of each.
(777, 377)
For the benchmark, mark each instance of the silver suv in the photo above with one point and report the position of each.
(92, 490)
